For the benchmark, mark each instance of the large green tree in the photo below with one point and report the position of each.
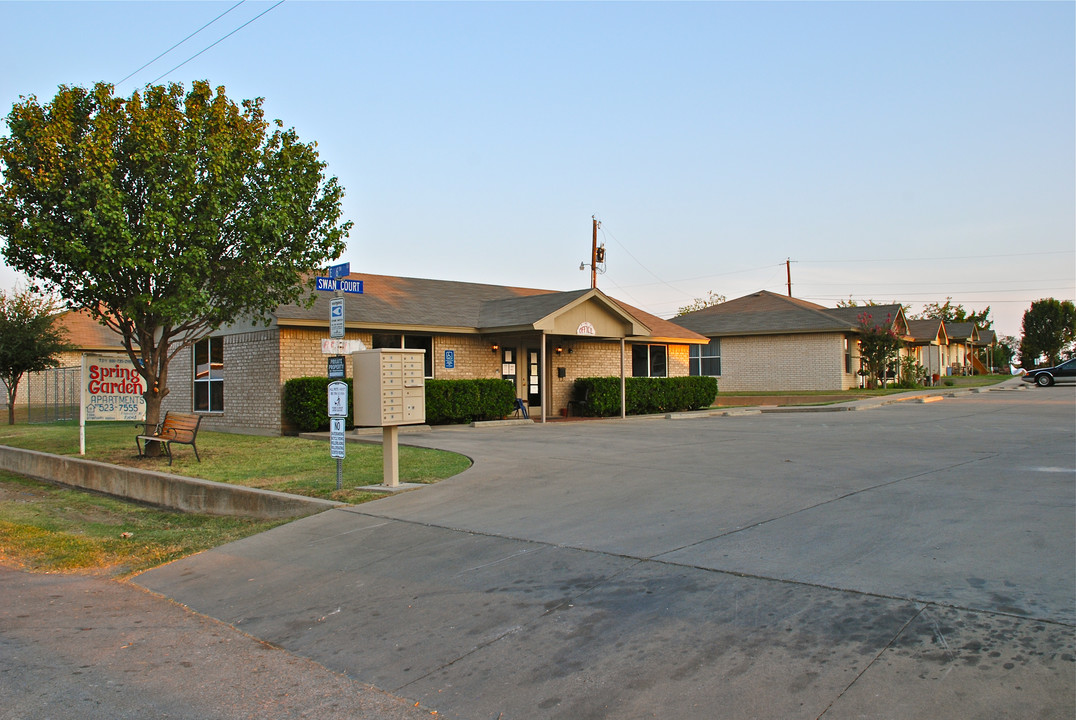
(1049, 327)
(30, 339)
(951, 312)
(165, 214)
(702, 303)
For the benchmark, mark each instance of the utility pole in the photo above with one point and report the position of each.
(594, 253)
(788, 272)
(597, 254)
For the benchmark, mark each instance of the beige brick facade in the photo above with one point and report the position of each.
(786, 362)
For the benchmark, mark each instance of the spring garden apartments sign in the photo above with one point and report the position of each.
(111, 390)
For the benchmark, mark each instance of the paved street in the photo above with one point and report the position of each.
(910, 561)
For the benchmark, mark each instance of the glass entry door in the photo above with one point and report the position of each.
(534, 378)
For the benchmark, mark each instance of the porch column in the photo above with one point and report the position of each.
(544, 380)
(623, 384)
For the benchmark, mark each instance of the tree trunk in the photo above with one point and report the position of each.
(153, 416)
(12, 390)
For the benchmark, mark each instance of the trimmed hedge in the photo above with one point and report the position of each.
(447, 402)
(645, 396)
(306, 403)
(462, 401)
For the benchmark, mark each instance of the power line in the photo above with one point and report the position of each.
(233, 32)
(934, 259)
(218, 17)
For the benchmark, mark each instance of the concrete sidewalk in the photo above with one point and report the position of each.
(914, 562)
(89, 648)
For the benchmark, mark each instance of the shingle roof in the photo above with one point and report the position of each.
(926, 331)
(417, 302)
(85, 333)
(961, 331)
(390, 300)
(761, 313)
(767, 313)
(527, 310)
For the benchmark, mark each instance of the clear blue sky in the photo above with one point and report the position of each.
(902, 151)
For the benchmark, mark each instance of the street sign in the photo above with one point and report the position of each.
(336, 438)
(336, 367)
(350, 286)
(339, 271)
(337, 399)
(325, 284)
(336, 318)
(450, 359)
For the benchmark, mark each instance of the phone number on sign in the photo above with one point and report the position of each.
(114, 403)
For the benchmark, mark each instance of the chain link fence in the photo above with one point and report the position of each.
(45, 396)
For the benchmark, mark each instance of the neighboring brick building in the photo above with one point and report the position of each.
(765, 341)
(540, 340)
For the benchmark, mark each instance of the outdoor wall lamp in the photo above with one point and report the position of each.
(559, 350)
(494, 348)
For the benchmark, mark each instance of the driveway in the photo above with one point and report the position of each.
(912, 561)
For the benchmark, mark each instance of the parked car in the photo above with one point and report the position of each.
(1047, 376)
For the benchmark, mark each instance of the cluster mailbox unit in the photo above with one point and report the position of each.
(389, 390)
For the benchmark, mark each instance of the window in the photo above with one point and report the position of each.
(706, 359)
(411, 342)
(649, 361)
(848, 355)
(209, 375)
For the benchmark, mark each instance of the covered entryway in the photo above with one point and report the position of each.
(558, 338)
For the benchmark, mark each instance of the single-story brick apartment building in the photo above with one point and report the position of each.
(540, 340)
(765, 341)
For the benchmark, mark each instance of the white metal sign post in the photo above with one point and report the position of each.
(336, 317)
(336, 440)
(338, 396)
(337, 417)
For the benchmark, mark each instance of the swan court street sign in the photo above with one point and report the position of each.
(337, 280)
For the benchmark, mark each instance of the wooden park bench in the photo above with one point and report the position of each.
(175, 428)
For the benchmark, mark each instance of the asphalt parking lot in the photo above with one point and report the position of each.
(911, 561)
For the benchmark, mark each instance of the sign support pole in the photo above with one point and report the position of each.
(82, 409)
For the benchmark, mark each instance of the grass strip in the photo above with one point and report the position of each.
(286, 464)
(49, 528)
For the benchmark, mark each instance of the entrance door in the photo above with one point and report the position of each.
(534, 378)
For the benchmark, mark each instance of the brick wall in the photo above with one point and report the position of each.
(252, 385)
(785, 362)
(586, 359)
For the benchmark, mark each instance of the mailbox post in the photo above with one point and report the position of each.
(389, 391)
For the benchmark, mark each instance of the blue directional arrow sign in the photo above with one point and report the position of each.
(336, 318)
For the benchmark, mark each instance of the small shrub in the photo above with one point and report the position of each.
(447, 402)
(645, 395)
(464, 401)
(948, 383)
(306, 403)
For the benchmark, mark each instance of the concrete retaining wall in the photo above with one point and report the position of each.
(161, 489)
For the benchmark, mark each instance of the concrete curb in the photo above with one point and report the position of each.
(174, 492)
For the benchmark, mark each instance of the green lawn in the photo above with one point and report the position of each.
(48, 528)
(285, 464)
